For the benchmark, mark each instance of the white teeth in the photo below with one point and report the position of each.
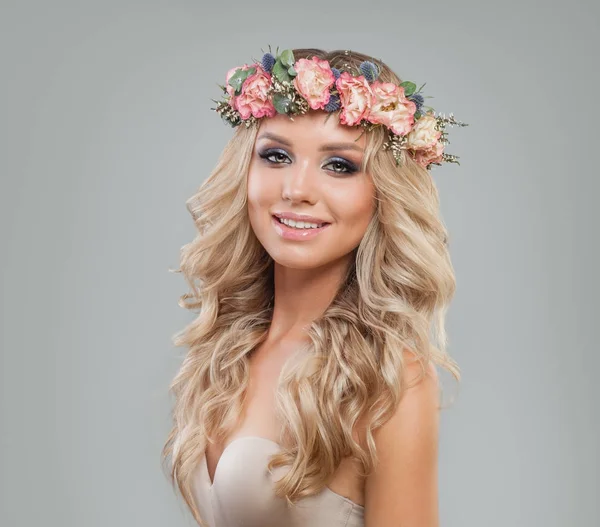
(299, 224)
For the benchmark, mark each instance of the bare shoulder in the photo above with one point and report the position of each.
(402, 490)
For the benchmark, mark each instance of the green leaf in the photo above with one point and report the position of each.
(281, 72)
(409, 88)
(238, 78)
(417, 115)
(281, 103)
(287, 57)
(292, 72)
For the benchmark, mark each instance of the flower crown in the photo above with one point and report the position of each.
(280, 84)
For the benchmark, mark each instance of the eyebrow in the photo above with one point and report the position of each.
(325, 148)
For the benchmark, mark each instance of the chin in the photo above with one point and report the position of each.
(296, 261)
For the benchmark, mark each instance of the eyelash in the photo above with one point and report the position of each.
(350, 168)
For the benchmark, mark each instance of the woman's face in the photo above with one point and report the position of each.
(308, 169)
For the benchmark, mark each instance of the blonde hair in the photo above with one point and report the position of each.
(394, 298)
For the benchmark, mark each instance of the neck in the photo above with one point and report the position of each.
(302, 295)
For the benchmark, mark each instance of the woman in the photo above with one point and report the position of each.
(309, 394)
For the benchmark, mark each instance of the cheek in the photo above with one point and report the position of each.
(260, 190)
(354, 204)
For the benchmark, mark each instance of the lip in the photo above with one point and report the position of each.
(290, 233)
(299, 217)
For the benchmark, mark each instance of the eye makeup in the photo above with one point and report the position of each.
(345, 166)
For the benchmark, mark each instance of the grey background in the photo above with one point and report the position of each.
(106, 130)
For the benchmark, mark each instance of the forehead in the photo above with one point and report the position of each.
(316, 126)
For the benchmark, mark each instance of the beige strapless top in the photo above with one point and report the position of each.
(242, 495)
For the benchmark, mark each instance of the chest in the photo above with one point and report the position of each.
(259, 417)
(259, 409)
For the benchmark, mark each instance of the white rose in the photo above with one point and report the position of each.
(423, 134)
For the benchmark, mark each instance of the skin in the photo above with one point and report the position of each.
(402, 490)
(298, 177)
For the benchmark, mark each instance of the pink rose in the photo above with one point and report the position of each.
(356, 98)
(254, 99)
(433, 154)
(423, 135)
(391, 108)
(313, 80)
(229, 88)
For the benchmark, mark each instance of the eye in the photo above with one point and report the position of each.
(341, 166)
(278, 155)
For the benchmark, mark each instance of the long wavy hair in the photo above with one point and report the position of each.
(394, 298)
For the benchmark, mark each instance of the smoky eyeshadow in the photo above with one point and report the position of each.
(350, 167)
(266, 152)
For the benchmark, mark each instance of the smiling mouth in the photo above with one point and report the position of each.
(299, 232)
(299, 225)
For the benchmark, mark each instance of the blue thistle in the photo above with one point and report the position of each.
(268, 61)
(369, 70)
(336, 73)
(418, 100)
(333, 104)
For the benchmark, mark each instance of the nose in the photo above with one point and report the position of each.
(299, 184)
